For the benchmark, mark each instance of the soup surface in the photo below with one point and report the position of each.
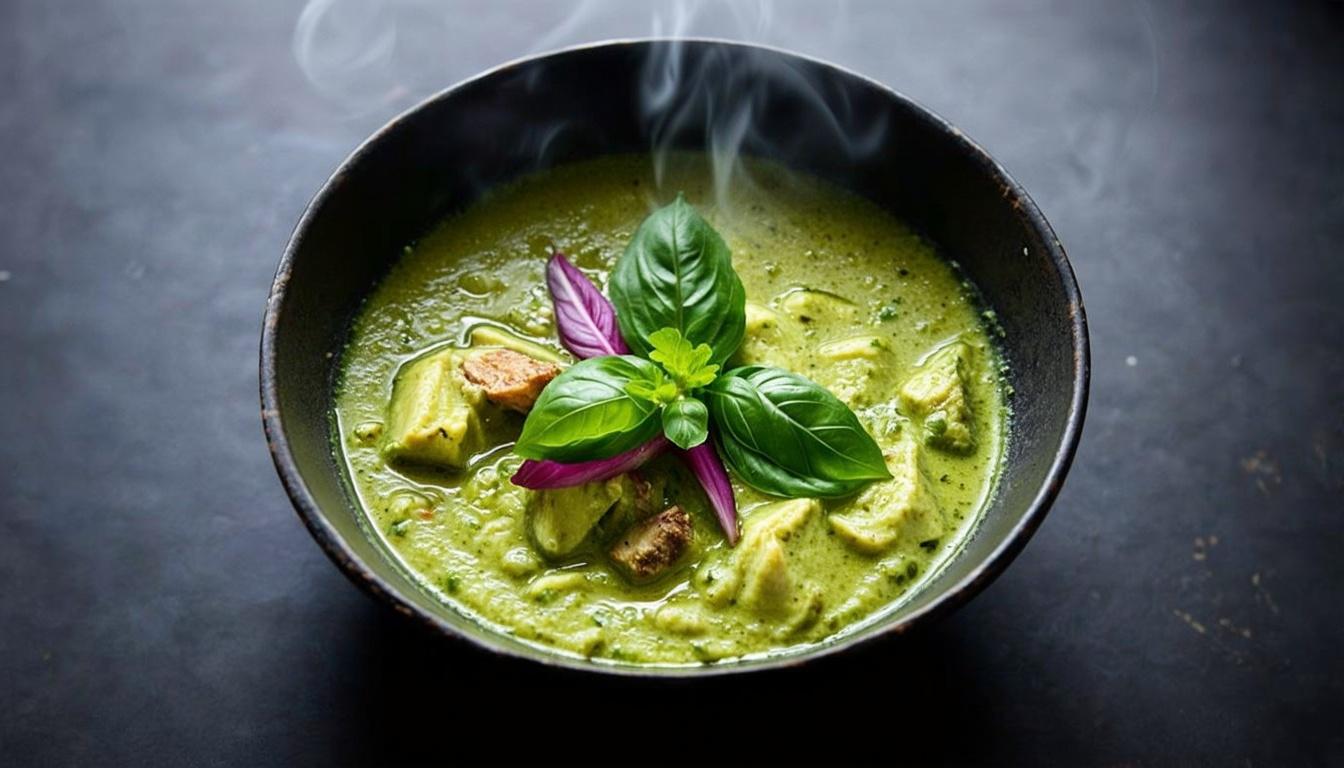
(837, 291)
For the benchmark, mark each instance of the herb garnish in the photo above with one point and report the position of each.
(681, 312)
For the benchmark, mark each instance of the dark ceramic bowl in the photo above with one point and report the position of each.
(592, 100)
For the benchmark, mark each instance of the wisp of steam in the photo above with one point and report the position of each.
(369, 56)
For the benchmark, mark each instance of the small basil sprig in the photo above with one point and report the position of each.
(684, 369)
(681, 310)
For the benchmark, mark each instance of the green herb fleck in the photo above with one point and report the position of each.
(889, 310)
(936, 424)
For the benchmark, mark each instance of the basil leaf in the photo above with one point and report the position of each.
(586, 412)
(677, 273)
(686, 422)
(786, 435)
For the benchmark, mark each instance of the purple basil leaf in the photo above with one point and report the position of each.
(584, 318)
(554, 474)
(704, 462)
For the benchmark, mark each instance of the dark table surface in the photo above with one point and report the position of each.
(161, 604)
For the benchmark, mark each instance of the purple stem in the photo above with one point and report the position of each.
(708, 468)
(554, 474)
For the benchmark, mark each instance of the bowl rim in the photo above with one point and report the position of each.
(955, 596)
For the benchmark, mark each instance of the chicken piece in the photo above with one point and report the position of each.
(902, 510)
(652, 545)
(807, 305)
(761, 321)
(757, 572)
(937, 394)
(853, 348)
(768, 339)
(851, 369)
(510, 379)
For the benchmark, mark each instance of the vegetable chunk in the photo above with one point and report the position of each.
(510, 379)
(562, 518)
(937, 394)
(900, 510)
(651, 546)
(434, 416)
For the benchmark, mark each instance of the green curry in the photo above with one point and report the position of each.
(836, 290)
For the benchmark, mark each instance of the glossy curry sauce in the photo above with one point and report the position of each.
(838, 291)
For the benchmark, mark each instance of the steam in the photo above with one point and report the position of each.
(376, 56)
(345, 50)
(723, 96)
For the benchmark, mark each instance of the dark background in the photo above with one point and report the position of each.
(161, 604)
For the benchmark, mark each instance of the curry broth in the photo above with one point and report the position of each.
(796, 242)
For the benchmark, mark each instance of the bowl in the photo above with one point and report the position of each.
(604, 98)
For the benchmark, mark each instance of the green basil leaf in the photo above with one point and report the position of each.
(587, 413)
(677, 273)
(786, 435)
(686, 422)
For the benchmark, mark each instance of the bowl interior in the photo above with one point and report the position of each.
(585, 102)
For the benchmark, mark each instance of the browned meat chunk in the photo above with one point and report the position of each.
(510, 379)
(654, 544)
